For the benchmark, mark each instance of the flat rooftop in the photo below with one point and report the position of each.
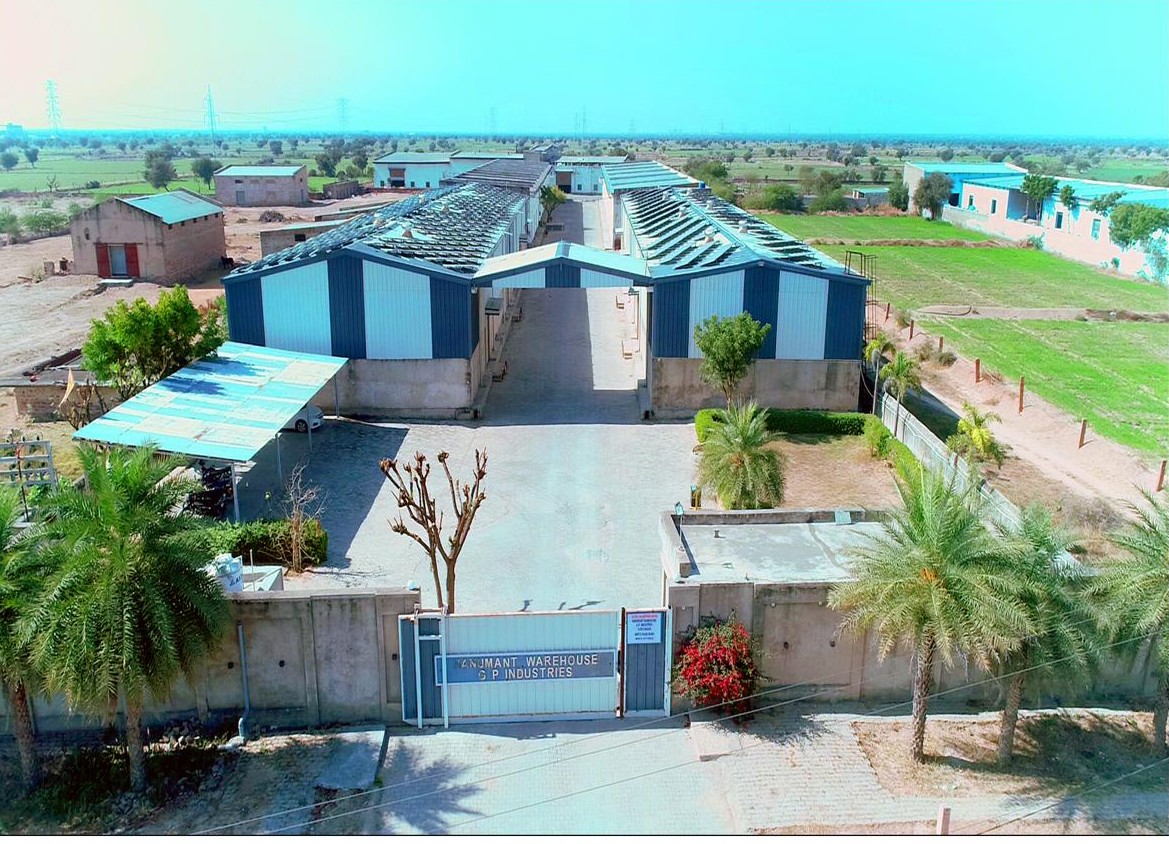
(805, 552)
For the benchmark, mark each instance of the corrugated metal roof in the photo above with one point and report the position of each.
(224, 407)
(687, 229)
(456, 227)
(592, 159)
(1087, 190)
(598, 259)
(987, 168)
(508, 173)
(413, 158)
(175, 206)
(488, 156)
(266, 170)
(632, 175)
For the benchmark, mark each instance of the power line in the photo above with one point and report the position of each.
(343, 114)
(639, 725)
(52, 106)
(210, 102)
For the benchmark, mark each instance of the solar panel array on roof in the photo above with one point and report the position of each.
(686, 229)
(517, 174)
(632, 175)
(456, 227)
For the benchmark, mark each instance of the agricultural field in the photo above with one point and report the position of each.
(868, 227)
(1114, 374)
(917, 276)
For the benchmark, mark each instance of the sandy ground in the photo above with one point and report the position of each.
(1043, 435)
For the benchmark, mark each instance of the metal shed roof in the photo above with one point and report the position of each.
(1087, 190)
(508, 173)
(413, 158)
(265, 170)
(592, 159)
(226, 406)
(632, 175)
(488, 156)
(989, 168)
(455, 227)
(686, 229)
(175, 206)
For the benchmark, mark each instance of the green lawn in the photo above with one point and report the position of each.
(866, 227)
(140, 188)
(1114, 374)
(915, 276)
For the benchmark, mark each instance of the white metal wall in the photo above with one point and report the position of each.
(397, 313)
(712, 295)
(803, 314)
(296, 309)
(533, 633)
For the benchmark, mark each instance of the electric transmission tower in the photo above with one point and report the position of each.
(343, 114)
(209, 102)
(52, 106)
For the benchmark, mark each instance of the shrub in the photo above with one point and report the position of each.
(93, 184)
(716, 666)
(705, 420)
(882, 444)
(271, 216)
(267, 541)
(877, 436)
(901, 317)
(831, 201)
(792, 422)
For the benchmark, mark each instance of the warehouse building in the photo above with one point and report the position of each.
(261, 185)
(523, 175)
(958, 172)
(425, 170)
(582, 173)
(619, 179)
(167, 237)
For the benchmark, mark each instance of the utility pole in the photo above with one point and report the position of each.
(52, 106)
(209, 102)
(343, 114)
(491, 121)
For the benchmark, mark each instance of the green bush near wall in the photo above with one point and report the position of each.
(267, 540)
(793, 422)
(882, 444)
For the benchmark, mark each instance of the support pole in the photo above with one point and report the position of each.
(1021, 384)
(943, 827)
(977, 370)
(446, 698)
(941, 341)
(888, 307)
(235, 492)
(1083, 432)
(1161, 477)
(310, 438)
(336, 398)
(912, 325)
(279, 463)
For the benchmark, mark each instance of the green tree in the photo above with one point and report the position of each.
(204, 168)
(831, 201)
(899, 194)
(1063, 642)
(551, 198)
(879, 173)
(1133, 224)
(1103, 205)
(8, 160)
(736, 464)
(44, 221)
(1038, 190)
(277, 147)
(780, 198)
(935, 582)
(932, 193)
(1133, 592)
(161, 173)
(901, 375)
(10, 224)
(729, 346)
(974, 439)
(134, 345)
(947, 154)
(325, 164)
(360, 160)
(874, 351)
(1067, 196)
(32, 154)
(130, 607)
(20, 583)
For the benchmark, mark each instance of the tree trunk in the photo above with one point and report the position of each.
(1161, 712)
(450, 588)
(134, 746)
(921, 690)
(897, 418)
(437, 582)
(26, 743)
(1010, 718)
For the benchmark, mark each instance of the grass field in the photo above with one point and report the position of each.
(915, 276)
(864, 227)
(1114, 374)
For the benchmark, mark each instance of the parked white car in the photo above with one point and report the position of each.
(310, 417)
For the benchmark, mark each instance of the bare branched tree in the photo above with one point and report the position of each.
(410, 481)
(77, 405)
(303, 504)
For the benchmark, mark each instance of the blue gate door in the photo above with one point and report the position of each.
(647, 662)
(419, 645)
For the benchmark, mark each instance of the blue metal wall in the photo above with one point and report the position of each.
(245, 312)
(450, 318)
(844, 336)
(561, 275)
(761, 301)
(671, 319)
(347, 306)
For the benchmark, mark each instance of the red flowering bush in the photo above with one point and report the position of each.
(717, 666)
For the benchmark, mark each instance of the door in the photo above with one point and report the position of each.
(103, 259)
(132, 268)
(647, 662)
(239, 197)
(118, 261)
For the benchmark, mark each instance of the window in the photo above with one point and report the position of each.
(239, 181)
(970, 202)
(1096, 229)
(298, 238)
(411, 184)
(428, 184)
(994, 205)
(1059, 219)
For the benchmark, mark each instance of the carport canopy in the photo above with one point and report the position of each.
(226, 406)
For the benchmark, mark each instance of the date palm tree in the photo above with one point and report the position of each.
(19, 585)
(876, 349)
(129, 607)
(974, 439)
(1134, 591)
(936, 582)
(736, 463)
(901, 375)
(1065, 642)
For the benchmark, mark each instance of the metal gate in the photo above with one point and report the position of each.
(534, 666)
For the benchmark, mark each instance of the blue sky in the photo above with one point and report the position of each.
(989, 68)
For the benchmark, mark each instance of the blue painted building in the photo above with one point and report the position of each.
(958, 172)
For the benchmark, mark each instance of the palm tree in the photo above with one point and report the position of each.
(901, 376)
(876, 349)
(18, 589)
(974, 439)
(1134, 590)
(736, 463)
(130, 607)
(937, 581)
(1065, 640)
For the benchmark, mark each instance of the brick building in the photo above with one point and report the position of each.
(258, 184)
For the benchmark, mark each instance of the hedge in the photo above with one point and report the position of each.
(881, 443)
(268, 541)
(793, 422)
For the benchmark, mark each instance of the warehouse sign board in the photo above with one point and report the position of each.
(643, 628)
(539, 666)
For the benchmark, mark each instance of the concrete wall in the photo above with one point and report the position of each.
(431, 388)
(314, 658)
(416, 175)
(41, 401)
(277, 239)
(677, 385)
(263, 190)
(193, 246)
(342, 189)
